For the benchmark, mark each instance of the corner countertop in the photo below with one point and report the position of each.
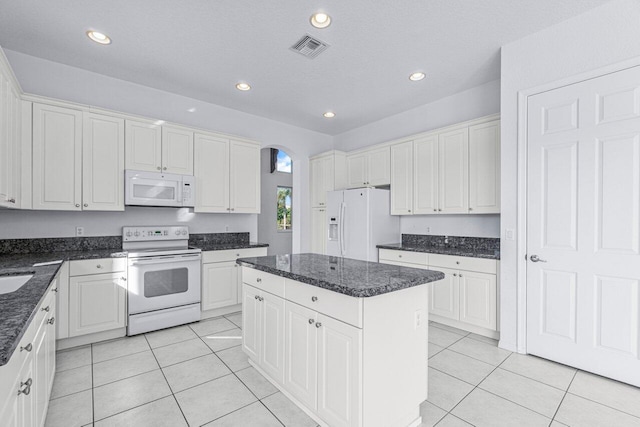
(443, 250)
(343, 275)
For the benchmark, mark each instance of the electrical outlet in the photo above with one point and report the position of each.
(509, 234)
(226, 228)
(428, 229)
(79, 231)
(417, 319)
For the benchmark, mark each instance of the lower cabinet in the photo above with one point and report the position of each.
(444, 295)
(319, 231)
(221, 279)
(26, 380)
(97, 296)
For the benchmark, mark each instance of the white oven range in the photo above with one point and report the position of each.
(163, 278)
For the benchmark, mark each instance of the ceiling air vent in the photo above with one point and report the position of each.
(309, 47)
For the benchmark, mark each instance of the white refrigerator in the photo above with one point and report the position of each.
(360, 219)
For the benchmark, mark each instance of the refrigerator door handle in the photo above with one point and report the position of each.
(343, 244)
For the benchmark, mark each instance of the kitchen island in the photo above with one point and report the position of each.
(346, 340)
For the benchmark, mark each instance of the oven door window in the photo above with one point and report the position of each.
(166, 282)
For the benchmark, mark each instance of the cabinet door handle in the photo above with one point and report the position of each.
(45, 309)
(455, 275)
(54, 290)
(256, 297)
(51, 321)
(314, 299)
(27, 387)
(258, 280)
(86, 205)
(399, 256)
(311, 321)
(77, 205)
(238, 255)
(11, 200)
(408, 210)
(318, 324)
(439, 210)
(164, 168)
(27, 347)
(458, 262)
(124, 279)
(260, 299)
(158, 167)
(98, 266)
(233, 209)
(435, 210)
(470, 209)
(460, 274)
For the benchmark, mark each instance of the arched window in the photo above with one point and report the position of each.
(280, 161)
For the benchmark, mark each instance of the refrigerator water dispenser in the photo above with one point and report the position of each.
(333, 228)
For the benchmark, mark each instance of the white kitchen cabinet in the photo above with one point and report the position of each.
(369, 168)
(219, 285)
(445, 295)
(97, 299)
(478, 299)
(227, 175)
(339, 372)
(57, 158)
(319, 234)
(143, 144)
(484, 168)
(301, 353)
(322, 173)
(425, 166)
(103, 163)
(177, 150)
(264, 341)
(244, 177)
(402, 178)
(10, 141)
(453, 167)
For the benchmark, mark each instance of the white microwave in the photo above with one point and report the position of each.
(158, 189)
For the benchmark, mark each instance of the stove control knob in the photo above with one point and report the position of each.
(128, 234)
(177, 232)
(184, 232)
(137, 233)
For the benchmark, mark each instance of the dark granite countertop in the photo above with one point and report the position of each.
(468, 252)
(343, 275)
(212, 246)
(17, 309)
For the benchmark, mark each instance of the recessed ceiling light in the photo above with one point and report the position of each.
(417, 76)
(192, 110)
(329, 114)
(320, 20)
(243, 86)
(98, 37)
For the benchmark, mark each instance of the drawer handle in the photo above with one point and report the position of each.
(318, 324)
(237, 255)
(314, 299)
(98, 266)
(399, 256)
(54, 290)
(27, 387)
(27, 347)
(311, 321)
(256, 297)
(51, 321)
(260, 299)
(457, 262)
(460, 274)
(455, 275)
(258, 280)
(45, 309)
(124, 279)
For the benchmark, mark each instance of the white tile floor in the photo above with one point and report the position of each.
(197, 375)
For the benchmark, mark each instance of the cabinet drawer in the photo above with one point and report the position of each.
(231, 254)
(463, 263)
(97, 266)
(263, 281)
(342, 307)
(420, 258)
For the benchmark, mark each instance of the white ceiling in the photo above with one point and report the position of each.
(202, 48)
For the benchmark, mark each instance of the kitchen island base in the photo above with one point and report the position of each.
(344, 360)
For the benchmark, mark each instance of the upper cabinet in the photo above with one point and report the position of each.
(484, 168)
(10, 139)
(227, 175)
(154, 148)
(369, 168)
(327, 173)
(454, 171)
(78, 160)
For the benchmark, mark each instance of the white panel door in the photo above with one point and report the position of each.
(402, 178)
(379, 167)
(339, 372)
(301, 367)
(478, 299)
(57, 158)
(319, 234)
(102, 163)
(143, 146)
(453, 152)
(251, 315)
(211, 170)
(357, 170)
(425, 167)
(484, 168)
(272, 336)
(96, 303)
(219, 285)
(177, 150)
(584, 225)
(244, 177)
(444, 295)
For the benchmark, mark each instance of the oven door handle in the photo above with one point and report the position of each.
(164, 260)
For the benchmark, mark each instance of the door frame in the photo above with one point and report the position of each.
(522, 183)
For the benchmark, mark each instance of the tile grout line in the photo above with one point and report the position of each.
(93, 397)
(563, 397)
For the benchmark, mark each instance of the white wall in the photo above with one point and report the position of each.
(279, 242)
(55, 80)
(451, 225)
(603, 36)
(476, 102)
(29, 224)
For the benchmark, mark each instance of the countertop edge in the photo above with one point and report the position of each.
(440, 251)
